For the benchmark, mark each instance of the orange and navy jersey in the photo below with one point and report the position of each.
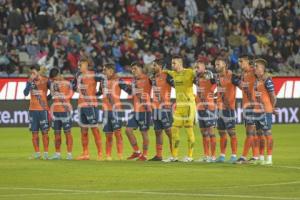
(111, 90)
(161, 88)
(38, 93)
(226, 90)
(140, 89)
(263, 88)
(205, 93)
(85, 85)
(61, 93)
(247, 87)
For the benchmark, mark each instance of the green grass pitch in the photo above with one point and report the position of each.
(21, 178)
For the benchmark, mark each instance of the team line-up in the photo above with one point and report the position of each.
(213, 107)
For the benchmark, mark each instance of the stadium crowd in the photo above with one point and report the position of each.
(59, 32)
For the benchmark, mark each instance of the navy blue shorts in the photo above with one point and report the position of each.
(249, 116)
(206, 118)
(88, 115)
(263, 121)
(162, 119)
(62, 120)
(139, 120)
(112, 121)
(38, 120)
(226, 119)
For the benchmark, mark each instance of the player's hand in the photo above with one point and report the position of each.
(275, 111)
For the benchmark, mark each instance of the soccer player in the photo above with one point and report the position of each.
(247, 87)
(206, 110)
(111, 89)
(161, 104)
(265, 96)
(85, 83)
(226, 90)
(141, 116)
(61, 111)
(37, 86)
(185, 111)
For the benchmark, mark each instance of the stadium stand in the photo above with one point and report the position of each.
(59, 32)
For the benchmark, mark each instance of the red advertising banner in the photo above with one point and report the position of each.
(285, 88)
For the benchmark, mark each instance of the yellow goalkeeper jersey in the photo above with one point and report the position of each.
(183, 83)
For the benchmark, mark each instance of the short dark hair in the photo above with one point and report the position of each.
(138, 64)
(177, 57)
(159, 62)
(110, 66)
(35, 67)
(54, 72)
(224, 59)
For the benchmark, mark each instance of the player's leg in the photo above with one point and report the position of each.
(223, 137)
(131, 125)
(144, 124)
(83, 123)
(119, 143)
(69, 143)
(190, 113)
(44, 127)
(262, 144)
(158, 126)
(230, 127)
(33, 127)
(269, 138)
(168, 132)
(108, 129)
(57, 126)
(248, 143)
(212, 143)
(93, 121)
(205, 135)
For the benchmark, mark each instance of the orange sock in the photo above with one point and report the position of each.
(85, 141)
(119, 141)
(255, 146)
(159, 150)
(57, 142)
(247, 145)
(213, 145)
(262, 142)
(269, 139)
(223, 143)
(233, 141)
(35, 142)
(69, 142)
(98, 141)
(45, 142)
(109, 140)
(205, 141)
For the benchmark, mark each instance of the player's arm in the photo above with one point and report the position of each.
(271, 91)
(169, 72)
(236, 80)
(99, 92)
(170, 80)
(26, 91)
(126, 87)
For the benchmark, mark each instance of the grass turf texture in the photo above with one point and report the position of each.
(21, 178)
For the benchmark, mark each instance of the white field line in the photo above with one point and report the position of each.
(79, 192)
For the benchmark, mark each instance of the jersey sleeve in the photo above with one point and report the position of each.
(169, 72)
(236, 80)
(99, 77)
(27, 88)
(170, 80)
(126, 87)
(269, 85)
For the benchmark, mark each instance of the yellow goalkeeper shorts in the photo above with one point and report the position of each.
(184, 115)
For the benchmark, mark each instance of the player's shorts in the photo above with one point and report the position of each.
(226, 119)
(184, 115)
(206, 118)
(112, 121)
(88, 115)
(62, 120)
(263, 121)
(38, 120)
(139, 120)
(162, 119)
(249, 117)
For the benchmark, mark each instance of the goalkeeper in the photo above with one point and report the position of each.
(184, 115)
